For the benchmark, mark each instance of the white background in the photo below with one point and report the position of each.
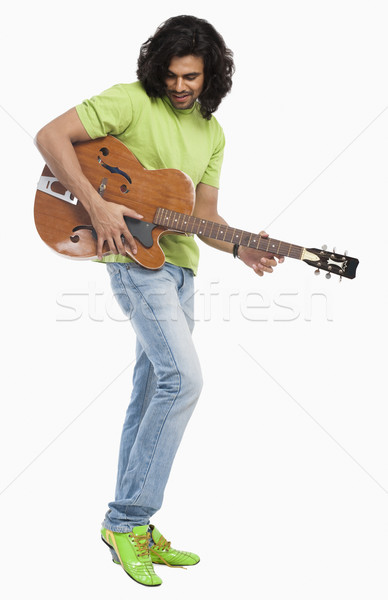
(281, 481)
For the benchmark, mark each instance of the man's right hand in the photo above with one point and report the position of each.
(108, 221)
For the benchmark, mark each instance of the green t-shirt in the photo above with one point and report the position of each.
(160, 137)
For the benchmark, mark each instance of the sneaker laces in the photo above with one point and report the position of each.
(162, 544)
(142, 543)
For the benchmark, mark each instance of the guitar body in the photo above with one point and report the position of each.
(112, 169)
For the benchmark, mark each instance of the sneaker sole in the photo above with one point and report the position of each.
(129, 575)
(162, 564)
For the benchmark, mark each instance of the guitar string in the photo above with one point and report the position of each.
(189, 223)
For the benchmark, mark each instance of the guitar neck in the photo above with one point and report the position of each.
(188, 224)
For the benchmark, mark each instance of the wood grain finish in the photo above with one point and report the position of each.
(56, 219)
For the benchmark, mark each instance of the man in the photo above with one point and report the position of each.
(165, 118)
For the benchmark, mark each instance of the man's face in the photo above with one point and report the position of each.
(184, 81)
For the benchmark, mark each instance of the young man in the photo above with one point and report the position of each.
(165, 118)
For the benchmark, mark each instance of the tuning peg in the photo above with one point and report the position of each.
(324, 247)
(334, 250)
(345, 253)
(328, 275)
(317, 272)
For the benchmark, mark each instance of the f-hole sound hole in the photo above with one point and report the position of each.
(104, 151)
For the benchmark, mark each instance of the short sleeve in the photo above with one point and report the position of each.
(109, 113)
(212, 173)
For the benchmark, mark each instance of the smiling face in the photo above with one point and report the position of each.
(185, 80)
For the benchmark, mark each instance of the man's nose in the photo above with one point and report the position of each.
(179, 84)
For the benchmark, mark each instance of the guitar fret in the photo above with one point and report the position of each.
(263, 244)
(175, 220)
(172, 220)
(204, 228)
(245, 237)
(189, 224)
(185, 223)
(178, 222)
(228, 237)
(238, 235)
(221, 232)
(256, 242)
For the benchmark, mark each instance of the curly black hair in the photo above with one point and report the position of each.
(182, 36)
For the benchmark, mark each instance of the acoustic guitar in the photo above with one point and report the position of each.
(165, 198)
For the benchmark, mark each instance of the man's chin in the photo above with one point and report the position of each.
(188, 103)
(186, 107)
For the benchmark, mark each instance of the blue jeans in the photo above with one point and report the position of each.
(167, 382)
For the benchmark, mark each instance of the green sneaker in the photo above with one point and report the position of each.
(161, 552)
(132, 551)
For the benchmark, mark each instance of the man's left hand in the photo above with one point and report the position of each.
(260, 262)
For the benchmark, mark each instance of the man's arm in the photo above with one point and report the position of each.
(55, 142)
(206, 202)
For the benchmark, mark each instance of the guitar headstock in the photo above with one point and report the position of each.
(332, 262)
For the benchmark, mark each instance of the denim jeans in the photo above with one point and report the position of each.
(167, 382)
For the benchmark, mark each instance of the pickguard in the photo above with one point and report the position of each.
(141, 230)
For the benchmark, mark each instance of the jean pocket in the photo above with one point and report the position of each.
(111, 268)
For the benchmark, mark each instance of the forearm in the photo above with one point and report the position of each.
(206, 208)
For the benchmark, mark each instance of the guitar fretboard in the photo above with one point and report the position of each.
(189, 224)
